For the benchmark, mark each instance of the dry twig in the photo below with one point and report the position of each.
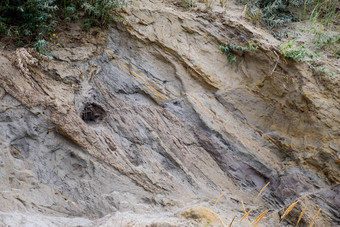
(277, 61)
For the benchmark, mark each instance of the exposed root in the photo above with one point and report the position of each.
(24, 59)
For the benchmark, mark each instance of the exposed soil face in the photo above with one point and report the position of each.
(146, 124)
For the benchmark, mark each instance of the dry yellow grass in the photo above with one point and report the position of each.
(245, 215)
(232, 221)
(302, 212)
(258, 195)
(221, 220)
(289, 209)
(219, 199)
(314, 218)
(244, 210)
(260, 217)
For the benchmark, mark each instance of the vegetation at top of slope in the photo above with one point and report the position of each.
(25, 19)
(276, 13)
(28, 21)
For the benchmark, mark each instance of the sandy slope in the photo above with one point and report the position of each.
(148, 123)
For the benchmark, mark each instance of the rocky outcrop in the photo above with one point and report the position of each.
(148, 124)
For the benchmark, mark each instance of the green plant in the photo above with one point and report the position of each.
(296, 52)
(41, 46)
(236, 47)
(29, 21)
(336, 53)
(325, 11)
(321, 40)
(325, 41)
(324, 70)
(224, 4)
(252, 46)
(188, 3)
(100, 11)
(272, 14)
(253, 12)
(71, 13)
(228, 49)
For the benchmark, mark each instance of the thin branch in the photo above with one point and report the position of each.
(277, 61)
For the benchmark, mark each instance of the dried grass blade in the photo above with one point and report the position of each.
(244, 210)
(245, 215)
(302, 212)
(289, 209)
(317, 213)
(258, 195)
(221, 220)
(219, 199)
(257, 218)
(260, 217)
(232, 221)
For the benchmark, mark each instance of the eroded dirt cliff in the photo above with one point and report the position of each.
(146, 124)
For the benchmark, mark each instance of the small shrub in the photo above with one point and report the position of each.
(324, 41)
(186, 4)
(324, 70)
(236, 47)
(100, 11)
(276, 13)
(254, 13)
(228, 49)
(41, 46)
(295, 52)
(252, 46)
(270, 13)
(29, 21)
(325, 11)
(321, 40)
(71, 13)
